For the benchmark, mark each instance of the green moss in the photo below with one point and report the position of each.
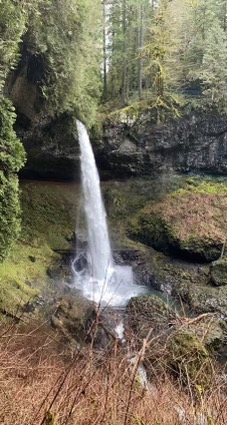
(189, 359)
(206, 298)
(23, 275)
(49, 213)
(219, 272)
(190, 221)
(48, 221)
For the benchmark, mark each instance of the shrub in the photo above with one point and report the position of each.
(12, 157)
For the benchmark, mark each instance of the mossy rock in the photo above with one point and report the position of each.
(218, 272)
(149, 311)
(190, 222)
(73, 317)
(211, 331)
(48, 221)
(183, 347)
(188, 359)
(79, 322)
(203, 299)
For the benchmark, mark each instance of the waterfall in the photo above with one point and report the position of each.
(99, 253)
(96, 275)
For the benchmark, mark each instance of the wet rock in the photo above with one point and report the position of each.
(148, 312)
(73, 318)
(218, 272)
(127, 256)
(60, 272)
(52, 148)
(203, 299)
(80, 322)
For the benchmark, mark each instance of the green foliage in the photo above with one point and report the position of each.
(214, 68)
(66, 34)
(160, 49)
(14, 17)
(12, 26)
(12, 157)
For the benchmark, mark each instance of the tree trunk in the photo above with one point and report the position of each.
(140, 47)
(125, 65)
(225, 17)
(104, 53)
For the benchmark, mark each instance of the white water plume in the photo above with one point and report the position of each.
(96, 276)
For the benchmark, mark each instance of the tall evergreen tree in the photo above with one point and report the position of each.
(213, 72)
(163, 64)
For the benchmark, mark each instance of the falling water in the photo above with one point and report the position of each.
(100, 256)
(96, 275)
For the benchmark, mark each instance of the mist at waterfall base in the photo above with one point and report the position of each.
(96, 275)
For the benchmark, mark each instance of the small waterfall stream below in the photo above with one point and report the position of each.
(96, 275)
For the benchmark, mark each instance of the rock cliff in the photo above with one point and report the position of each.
(196, 143)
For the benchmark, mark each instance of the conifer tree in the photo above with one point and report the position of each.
(13, 19)
(213, 72)
(163, 64)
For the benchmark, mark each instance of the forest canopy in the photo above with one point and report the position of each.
(166, 51)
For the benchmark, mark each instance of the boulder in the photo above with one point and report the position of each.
(188, 359)
(179, 345)
(218, 272)
(73, 318)
(190, 223)
(149, 312)
(203, 299)
(80, 322)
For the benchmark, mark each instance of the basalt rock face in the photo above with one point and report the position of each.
(194, 143)
(49, 140)
(52, 150)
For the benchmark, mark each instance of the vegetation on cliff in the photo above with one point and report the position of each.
(57, 45)
(65, 39)
(48, 222)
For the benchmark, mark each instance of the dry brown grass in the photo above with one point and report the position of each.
(41, 382)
